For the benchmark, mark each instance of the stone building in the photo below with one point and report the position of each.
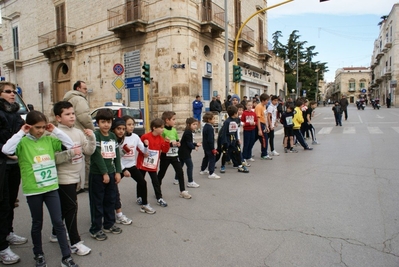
(57, 42)
(352, 82)
(384, 66)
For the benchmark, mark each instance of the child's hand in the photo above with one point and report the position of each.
(178, 144)
(50, 127)
(167, 140)
(146, 142)
(146, 154)
(199, 144)
(117, 178)
(126, 174)
(105, 178)
(88, 132)
(77, 150)
(215, 152)
(13, 157)
(26, 128)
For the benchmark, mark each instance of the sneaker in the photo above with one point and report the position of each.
(308, 148)
(222, 169)
(147, 209)
(54, 239)
(176, 182)
(275, 153)
(162, 202)
(193, 185)
(214, 176)
(285, 150)
(139, 201)
(14, 239)
(80, 249)
(292, 150)
(100, 236)
(114, 229)
(251, 159)
(185, 194)
(266, 157)
(315, 143)
(246, 164)
(228, 162)
(204, 172)
(123, 219)
(68, 262)
(8, 257)
(243, 169)
(40, 260)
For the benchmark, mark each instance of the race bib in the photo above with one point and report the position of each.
(151, 161)
(233, 127)
(249, 119)
(173, 152)
(108, 149)
(288, 120)
(45, 173)
(77, 158)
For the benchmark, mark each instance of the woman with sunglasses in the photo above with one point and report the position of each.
(10, 176)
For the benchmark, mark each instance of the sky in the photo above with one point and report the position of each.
(343, 31)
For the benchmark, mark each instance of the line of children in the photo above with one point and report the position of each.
(36, 155)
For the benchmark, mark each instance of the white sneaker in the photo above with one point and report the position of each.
(176, 182)
(193, 184)
(214, 176)
(185, 195)
(251, 159)
(275, 153)
(147, 209)
(8, 257)
(54, 239)
(80, 249)
(14, 239)
(204, 172)
(123, 219)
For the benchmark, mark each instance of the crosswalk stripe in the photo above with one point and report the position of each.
(349, 130)
(325, 130)
(396, 129)
(374, 130)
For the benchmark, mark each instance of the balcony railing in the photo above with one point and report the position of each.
(128, 15)
(212, 20)
(388, 42)
(246, 39)
(65, 35)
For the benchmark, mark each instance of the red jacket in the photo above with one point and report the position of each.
(247, 117)
(156, 145)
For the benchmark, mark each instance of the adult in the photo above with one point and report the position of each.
(226, 103)
(344, 106)
(197, 108)
(388, 101)
(212, 104)
(77, 97)
(218, 104)
(10, 175)
(244, 101)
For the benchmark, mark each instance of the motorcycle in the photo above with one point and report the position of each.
(376, 103)
(360, 104)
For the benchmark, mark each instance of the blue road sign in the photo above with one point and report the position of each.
(135, 85)
(364, 90)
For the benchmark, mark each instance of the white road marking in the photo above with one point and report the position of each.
(374, 130)
(349, 130)
(360, 119)
(379, 117)
(396, 129)
(325, 130)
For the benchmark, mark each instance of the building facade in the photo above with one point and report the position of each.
(384, 65)
(56, 42)
(352, 82)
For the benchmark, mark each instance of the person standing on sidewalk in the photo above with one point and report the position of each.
(77, 97)
(344, 106)
(10, 175)
(197, 108)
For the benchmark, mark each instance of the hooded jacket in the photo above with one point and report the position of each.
(82, 109)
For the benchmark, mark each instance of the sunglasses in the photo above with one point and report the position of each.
(9, 91)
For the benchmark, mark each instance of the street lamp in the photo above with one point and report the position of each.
(317, 84)
(295, 65)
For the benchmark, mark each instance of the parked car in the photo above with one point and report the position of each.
(23, 108)
(121, 110)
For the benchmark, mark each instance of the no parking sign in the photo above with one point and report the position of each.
(118, 69)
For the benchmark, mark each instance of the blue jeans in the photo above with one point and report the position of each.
(190, 166)
(338, 119)
(249, 141)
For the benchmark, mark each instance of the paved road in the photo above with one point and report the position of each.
(333, 206)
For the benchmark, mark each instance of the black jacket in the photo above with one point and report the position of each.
(186, 145)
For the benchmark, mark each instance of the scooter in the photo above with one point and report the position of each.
(376, 103)
(360, 104)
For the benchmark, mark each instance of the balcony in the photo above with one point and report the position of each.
(212, 20)
(351, 90)
(387, 71)
(58, 44)
(388, 42)
(246, 40)
(264, 52)
(129, 18)
(380, 53)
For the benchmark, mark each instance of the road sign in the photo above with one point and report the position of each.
(135, 84)
(118, 69)
(132, 64)
(118, 83)
(364, 91)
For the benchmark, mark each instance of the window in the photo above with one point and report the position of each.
(60, 23)
(352, 85)
(362, 84)
(15, 42)
(237, 14)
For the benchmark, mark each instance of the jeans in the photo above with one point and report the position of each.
(190, 167)
(208, 162)
(102, 202)
(263, 140)
(52, 201)
(249, 141)
(338, 119)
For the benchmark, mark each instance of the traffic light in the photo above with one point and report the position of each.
(146, 73)
(236, 73)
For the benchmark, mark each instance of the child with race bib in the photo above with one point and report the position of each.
(36, 156)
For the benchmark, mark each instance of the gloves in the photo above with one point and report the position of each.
(214, 152)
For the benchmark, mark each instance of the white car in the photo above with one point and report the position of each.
(121, 110)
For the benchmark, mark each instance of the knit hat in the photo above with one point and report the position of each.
(117, 122)
(235, 96)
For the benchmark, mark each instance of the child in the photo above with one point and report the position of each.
(298, 120)
(36, 156)
(69, 166)
(309, 115)
(240, 110)
(119, 128)
(105, 169)
(186, 146)
(248, 118)
(229, 138)
(208, 144)
(272, 118)
(130, 146)
(172, 155)
(337, 113)
(149, 162)
(286, 120)
(263, 125)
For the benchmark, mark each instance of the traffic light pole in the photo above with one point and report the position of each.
(146, 108)
(240, 30)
